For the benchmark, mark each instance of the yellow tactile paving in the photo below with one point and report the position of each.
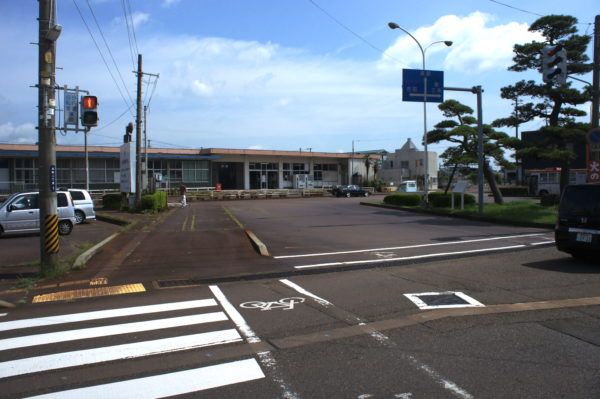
(89, 293)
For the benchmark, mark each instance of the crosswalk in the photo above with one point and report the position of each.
(32, 349)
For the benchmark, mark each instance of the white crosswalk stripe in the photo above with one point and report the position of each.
(64, 328)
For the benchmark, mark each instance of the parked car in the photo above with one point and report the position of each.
(84, 205)
(20, 213)
(577, 229)
(349, 191)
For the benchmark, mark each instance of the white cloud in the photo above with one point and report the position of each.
(138, 18)
(476, 47)
(169, 3)
(256, 147)
(20, 134)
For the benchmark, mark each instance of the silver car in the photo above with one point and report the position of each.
(20, 213)
(84, 205)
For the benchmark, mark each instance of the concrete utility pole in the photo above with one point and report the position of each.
(138, 135)
(48, 34)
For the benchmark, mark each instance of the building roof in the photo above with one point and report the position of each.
(409, 146)
(203, 153)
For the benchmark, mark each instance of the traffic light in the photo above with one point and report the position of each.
(554, 64)
(89, 114)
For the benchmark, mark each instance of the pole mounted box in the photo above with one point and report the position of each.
(554, 64)
(89, 111)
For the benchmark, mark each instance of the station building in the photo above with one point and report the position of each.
(232, 169)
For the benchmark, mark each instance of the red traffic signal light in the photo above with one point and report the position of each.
(90, 102)
(89, 114)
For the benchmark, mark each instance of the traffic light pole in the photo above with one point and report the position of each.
(480, 156)
(48, 33)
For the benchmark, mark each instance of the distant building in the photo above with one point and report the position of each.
(233, 169)
(408, 163)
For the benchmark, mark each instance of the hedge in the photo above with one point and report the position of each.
(154, 202)
(440, 200)
(112, 201)
(402, 199)
(515, 191)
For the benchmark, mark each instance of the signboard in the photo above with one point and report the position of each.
(594, 136)
(593, 172)
(414, 82)
(127, 168)
(71, 108)
(53, 178)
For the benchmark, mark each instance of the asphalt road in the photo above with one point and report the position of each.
(347, 334)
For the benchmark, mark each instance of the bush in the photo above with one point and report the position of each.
(440, 200)
(111, 201)
(549, 200)
(515, 191)
(402, 199)
(154, 202)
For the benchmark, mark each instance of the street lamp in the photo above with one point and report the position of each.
(448, 43)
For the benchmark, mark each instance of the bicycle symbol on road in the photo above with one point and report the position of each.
(283, 303)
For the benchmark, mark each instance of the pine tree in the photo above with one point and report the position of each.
(555, 104)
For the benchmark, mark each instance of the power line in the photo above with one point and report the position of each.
(128, 34)
(100, 52)
(337, 21)
(132, 26)
(110, 52)
(530, 12)
(114, 120)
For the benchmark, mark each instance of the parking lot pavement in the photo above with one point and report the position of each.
(21, 253)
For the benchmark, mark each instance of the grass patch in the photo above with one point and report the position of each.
(514, 211)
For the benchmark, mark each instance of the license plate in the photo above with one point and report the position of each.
(584, 237)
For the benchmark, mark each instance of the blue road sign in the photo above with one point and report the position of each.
(413, 85)
(594, 136)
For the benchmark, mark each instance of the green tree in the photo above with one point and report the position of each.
(556, 104)
(367, 166)
(461, 130)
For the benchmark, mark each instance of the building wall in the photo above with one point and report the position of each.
(408, 163)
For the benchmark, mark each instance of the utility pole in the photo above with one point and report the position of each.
(138, 131)
(138, 135)
(48, 34)
(596, 74)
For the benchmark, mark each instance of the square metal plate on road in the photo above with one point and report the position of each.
(438, 300)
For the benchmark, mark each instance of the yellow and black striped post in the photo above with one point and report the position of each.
(51, 234)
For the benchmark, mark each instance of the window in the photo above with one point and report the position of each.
(300, 169)
(318, 175)
(195, 172)
(403, 164)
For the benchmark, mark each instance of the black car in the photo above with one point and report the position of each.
(577, 229)
(349, 191)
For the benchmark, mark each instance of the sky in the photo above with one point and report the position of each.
(316, 75)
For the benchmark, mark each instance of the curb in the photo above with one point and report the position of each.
(549, 226)
(112, 219)
(257, 244)
(84, 257)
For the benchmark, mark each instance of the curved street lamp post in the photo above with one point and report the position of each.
(448, 43)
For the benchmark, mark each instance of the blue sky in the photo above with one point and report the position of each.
(270, 74)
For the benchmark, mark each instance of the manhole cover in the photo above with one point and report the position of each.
(437, 300)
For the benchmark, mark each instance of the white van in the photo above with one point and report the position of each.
(20, 213)
(408, 186)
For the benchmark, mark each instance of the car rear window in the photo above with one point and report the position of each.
(77, 195)
(581, 200)
(61, 200)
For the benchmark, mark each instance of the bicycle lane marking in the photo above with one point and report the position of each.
(265, 358)
(386, 341)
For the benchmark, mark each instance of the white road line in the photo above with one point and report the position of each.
(105, 314)
(266, 358)
(386, 341)
(117, 352)
(171, 384)
(410, 246)
(301, 290)
(366, 261)
(117, 329)
(541, 243)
